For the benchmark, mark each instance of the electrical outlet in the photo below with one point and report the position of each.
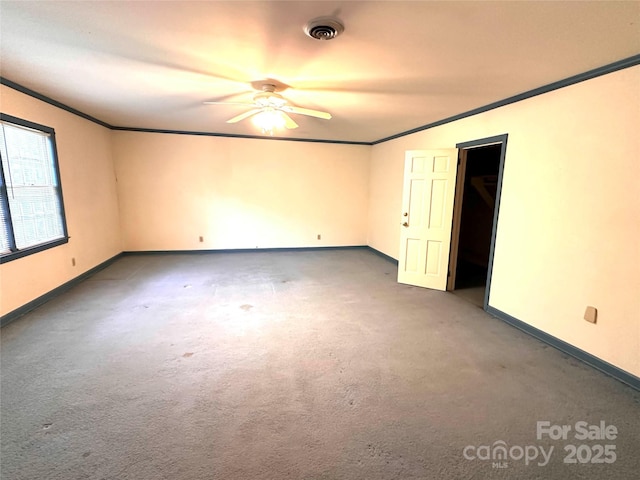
(591, 314)
(319, 236)
(201, 239)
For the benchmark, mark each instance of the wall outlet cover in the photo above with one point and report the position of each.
(591, 314)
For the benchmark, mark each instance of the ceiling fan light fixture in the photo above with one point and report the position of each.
(270, 110)
(269, 120)
(324, 28)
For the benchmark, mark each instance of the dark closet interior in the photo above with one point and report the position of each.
(478, 204)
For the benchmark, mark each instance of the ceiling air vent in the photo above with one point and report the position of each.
(323, 28)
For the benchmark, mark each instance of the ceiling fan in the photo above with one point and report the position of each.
(271, 110)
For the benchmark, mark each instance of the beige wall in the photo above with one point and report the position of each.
(569, 227)
(89, 190)
(239, 193)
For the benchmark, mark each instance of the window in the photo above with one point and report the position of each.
(31, 208)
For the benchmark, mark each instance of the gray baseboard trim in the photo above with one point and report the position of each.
(33, 304)
(383, 255)
(242, 250)
(585, 357)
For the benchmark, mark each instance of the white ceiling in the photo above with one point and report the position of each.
(398, 65)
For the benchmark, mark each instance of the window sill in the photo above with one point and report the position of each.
(8, 257)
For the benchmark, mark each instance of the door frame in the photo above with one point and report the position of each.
(455, 231)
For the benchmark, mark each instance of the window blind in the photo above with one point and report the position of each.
(31, 187)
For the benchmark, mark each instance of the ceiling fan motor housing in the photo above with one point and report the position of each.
(268, 97)
(324, 28)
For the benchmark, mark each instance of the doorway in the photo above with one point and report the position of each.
(474, 221)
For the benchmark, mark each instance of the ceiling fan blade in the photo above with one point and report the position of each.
(307, 111)
(244, 115)
(211, 102)
(288, 121)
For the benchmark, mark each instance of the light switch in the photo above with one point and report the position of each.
(591, 314)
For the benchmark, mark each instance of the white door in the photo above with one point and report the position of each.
(427, 212)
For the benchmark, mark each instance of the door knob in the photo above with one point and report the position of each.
(405, 224)
(405, 214)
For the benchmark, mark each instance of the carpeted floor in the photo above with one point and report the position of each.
(291, 365)
(475, 295)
